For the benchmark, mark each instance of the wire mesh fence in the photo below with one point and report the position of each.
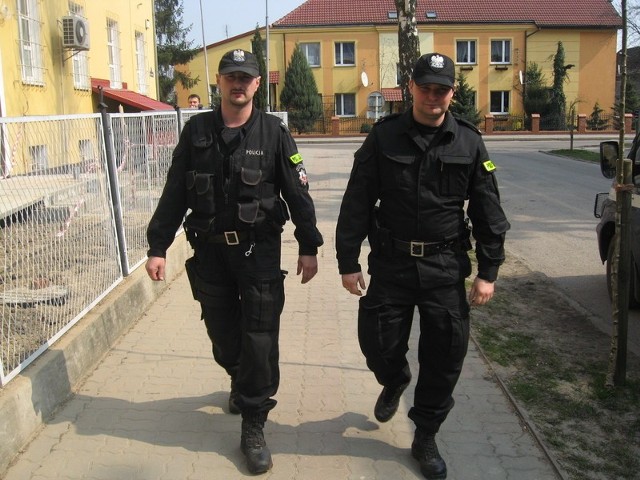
(59, 254)
(69, 228)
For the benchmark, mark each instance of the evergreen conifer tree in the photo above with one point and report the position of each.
(300, 93)
(595, 121)
(260, 98)
(173, 49)
(558, 100)
(536, 93)
(464, 101)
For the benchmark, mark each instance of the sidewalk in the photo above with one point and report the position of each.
(155, 407)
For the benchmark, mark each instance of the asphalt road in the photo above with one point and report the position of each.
(549, 202)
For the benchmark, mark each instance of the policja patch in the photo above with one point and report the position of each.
(489, 166)
(296, 158)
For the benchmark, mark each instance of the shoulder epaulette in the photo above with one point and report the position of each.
(387, 117)
(467, 124)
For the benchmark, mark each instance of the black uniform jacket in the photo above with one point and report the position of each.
(264, 140)
(422, 190)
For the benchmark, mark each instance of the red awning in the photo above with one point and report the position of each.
(128, 97)
(391, 94)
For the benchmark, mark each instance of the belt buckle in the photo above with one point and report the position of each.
(231, 238)
(416, 249)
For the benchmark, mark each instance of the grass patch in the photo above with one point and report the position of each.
(554, 363)
(579, 154)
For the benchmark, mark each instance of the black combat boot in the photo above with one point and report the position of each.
(425, 450)
(233, 400)
(252, 442)
(388, 402)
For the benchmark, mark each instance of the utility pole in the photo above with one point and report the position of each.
(206, 60)
(266, 23)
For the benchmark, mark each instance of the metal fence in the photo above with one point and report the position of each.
(76, 195)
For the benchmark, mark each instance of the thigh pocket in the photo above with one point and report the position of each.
(262, 303)
(459, 335)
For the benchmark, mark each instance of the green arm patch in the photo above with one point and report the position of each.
(296, 159)
(489, 166)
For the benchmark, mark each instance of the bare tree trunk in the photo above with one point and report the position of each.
(408, 44)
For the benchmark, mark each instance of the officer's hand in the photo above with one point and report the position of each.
(481, 292)
(308, 265)
(351, 281)
(155, 268)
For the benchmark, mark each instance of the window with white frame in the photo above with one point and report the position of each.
(466, 51)
(345, 104)
(32, 66)
(345, 53)
(141, 63)
(500, 51)
(80, 58)
(39, 161)
(375, 104)
(311, 52)
(113, 50)
(500, 102)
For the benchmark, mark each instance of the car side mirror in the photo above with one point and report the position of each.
(608, 158)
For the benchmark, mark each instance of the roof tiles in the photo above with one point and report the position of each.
(543, 13)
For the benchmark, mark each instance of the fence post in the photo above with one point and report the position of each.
(535, 123)
(114, 186)
(488, 124)
(582, 123)
(335, 126)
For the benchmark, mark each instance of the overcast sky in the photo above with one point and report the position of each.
(228, 18)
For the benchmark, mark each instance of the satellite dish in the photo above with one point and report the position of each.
(521, 77)
(364, 79)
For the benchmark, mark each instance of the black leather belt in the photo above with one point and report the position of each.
(230, 238)
(422, 249)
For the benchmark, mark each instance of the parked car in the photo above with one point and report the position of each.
(605, 210)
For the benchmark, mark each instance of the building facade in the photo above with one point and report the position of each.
(352, 49)
(58, 57)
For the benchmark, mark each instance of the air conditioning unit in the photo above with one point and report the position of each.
(75, 33)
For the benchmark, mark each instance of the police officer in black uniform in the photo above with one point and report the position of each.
(239, 171)
(407, 192)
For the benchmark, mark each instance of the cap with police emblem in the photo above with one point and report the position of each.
(239, 61)
(434, 68)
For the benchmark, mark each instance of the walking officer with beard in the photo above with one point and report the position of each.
(407, 192)
(240, 173)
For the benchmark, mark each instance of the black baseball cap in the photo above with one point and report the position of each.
(239, 61)
(434, 68)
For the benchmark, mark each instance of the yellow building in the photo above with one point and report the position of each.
(352, 49)
(55, 54)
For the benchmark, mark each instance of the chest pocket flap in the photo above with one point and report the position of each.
(400, 158)
(454, 179)
(456, 159)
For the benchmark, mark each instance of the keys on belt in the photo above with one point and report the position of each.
(422, 249)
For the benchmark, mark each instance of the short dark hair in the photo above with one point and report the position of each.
(194, 95)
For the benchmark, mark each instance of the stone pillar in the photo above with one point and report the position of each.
(535, 123)
(335, 126)
(628, 123)
(488, 124)
(582, 123)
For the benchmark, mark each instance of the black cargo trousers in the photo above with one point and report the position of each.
(241, 291)
(435, 285)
